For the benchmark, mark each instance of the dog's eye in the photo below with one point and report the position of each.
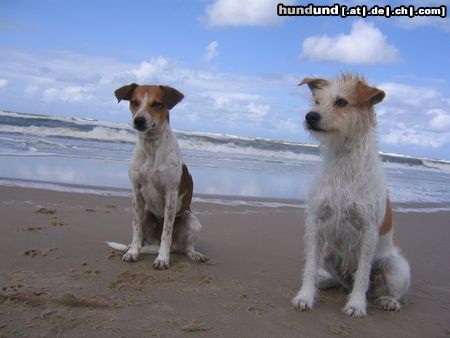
(134, 103)
(317, 102)
(340, 103)
(156, 104)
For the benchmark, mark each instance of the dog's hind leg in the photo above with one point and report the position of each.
(186, 231)
(390, 281)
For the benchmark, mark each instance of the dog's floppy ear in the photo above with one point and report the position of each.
(125, 92)
(171, 96)
(370, 95)
(314, 83)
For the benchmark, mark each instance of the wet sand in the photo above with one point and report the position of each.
(58, 278)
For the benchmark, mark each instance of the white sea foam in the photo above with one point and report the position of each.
(75, 120)
(231, 148)
(97, 133)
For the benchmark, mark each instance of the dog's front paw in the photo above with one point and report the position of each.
(198, 257)
(355, 308)
(131, 255)
(161, 263)
(387, 303)
(303, 301)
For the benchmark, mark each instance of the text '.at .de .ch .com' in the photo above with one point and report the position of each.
(361, 11)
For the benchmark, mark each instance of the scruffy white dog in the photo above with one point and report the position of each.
(349, 233)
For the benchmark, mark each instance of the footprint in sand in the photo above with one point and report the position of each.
(194, 326)
(45, 211)
(259, 311)
(30, 228)
(38, 252)
(126, 280)
(340, 329)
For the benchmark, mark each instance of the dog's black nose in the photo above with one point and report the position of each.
(139, 122)
(312, 117)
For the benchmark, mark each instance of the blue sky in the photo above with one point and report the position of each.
(237, 63)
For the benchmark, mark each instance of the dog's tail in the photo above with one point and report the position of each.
(145, 250)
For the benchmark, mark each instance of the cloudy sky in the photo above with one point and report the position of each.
(236, 61)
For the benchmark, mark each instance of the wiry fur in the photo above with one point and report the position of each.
(348, 202)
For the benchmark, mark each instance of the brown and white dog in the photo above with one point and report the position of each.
(162, 185)
(349, 232)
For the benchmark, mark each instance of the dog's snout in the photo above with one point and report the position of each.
(312, 117)
(139, 123)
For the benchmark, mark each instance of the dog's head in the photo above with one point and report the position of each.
(149, 104)
(341, 106)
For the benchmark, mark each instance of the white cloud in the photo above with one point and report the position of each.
(3, 83)
(365, 44)
(416, 137)
(243, 13)
(440, 120)
(407, 96)
(67, 94)
(258, 110)
(82, 85)
(215, 101)
(211, 51)
(239, 106)
(150, 70)
(414, 115)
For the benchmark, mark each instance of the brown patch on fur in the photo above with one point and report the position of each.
(185, 188)
(369, 95)
(160, 99)
(171, 96)
(314, 83)
(125, 92)
(387, 225)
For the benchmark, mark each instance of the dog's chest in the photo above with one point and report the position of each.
(155, 177)
(339, 224)
(152, 189)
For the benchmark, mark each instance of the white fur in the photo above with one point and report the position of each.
(155, 172)
(145, 250)
(346, 208)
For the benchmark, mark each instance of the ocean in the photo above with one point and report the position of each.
(86, 155)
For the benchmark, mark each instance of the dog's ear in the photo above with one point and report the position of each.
(171, 96)
(125, 92)
(314, 83)
(369, 95)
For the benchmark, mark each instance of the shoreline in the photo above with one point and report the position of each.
(231, 200)
(60, 279)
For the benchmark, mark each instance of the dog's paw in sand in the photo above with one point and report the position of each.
(303, 301)
(387, 303)
(355, 308)
(131, 255)
(161, 263)
(198, 257)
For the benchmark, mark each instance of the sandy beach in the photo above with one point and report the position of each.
(60, 279)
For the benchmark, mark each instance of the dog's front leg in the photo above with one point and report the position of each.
(304, 299)
(357, 302)
(138, 215)
(163, 259)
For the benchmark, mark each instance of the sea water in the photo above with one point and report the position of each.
(85, 155)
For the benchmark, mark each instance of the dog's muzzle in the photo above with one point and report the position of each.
(312, 121)
(140, 123)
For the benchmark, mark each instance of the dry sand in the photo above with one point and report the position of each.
(58, 278)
